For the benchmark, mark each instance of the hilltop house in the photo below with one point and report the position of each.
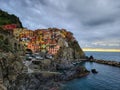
(9, 26)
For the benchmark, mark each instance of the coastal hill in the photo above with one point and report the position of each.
(6, 19)
(10, 62)
(16, 40)
(51, 40)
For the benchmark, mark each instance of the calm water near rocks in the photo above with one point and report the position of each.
(108, 77)
(113, 56)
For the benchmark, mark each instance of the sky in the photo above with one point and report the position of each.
(94, 23)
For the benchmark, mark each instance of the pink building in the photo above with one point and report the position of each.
(53, 50)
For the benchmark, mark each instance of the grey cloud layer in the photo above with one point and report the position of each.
(93, 22)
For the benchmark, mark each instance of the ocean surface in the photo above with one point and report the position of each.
(113, 56)
(107, 78)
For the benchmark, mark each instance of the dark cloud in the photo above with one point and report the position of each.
(99, 22)
(94, 23)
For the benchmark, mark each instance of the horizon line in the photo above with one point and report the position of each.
(101, 49)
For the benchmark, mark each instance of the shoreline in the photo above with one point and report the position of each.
(105, 62)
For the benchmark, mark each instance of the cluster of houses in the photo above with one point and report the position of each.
(40, 40)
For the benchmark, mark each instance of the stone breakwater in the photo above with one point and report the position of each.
(111, 63)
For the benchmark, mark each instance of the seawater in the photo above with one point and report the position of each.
(107, 78)
(112, 56)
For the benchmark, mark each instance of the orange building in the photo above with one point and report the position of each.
(45, 40)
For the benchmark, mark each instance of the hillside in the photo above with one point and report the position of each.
(10, 61)
(6, 18)
(51, 41)
(14, 41)
(8, 43)
(46, 40)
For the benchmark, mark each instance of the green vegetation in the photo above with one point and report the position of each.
(6, 18)
(4, 42)
(5, 46)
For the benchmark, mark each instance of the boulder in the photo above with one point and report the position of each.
(94, 71)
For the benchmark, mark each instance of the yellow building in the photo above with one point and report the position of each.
(17, 32)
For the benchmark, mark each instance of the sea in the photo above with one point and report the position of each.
(107, 78)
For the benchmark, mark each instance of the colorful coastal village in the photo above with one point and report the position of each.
(40, 40)
(52, 49)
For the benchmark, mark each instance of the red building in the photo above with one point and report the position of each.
(10, 26)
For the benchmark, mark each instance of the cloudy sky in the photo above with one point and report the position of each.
(94, 23)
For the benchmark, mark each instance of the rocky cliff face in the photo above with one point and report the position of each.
(34, 81)
(69, 52)
(6, 18)
(10, 67)
(10, 63)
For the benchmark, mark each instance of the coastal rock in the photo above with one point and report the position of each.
(94, 71)
(91, 58)
(34, 81)
(10, 68)
(75, 72)
(69, 50)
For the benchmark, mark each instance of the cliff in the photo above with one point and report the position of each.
(12, 75)
(10, 62)
(51, 41)
(69, 52)
(6, 18)
(8, 43)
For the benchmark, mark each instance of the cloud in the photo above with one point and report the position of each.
(91, 21)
